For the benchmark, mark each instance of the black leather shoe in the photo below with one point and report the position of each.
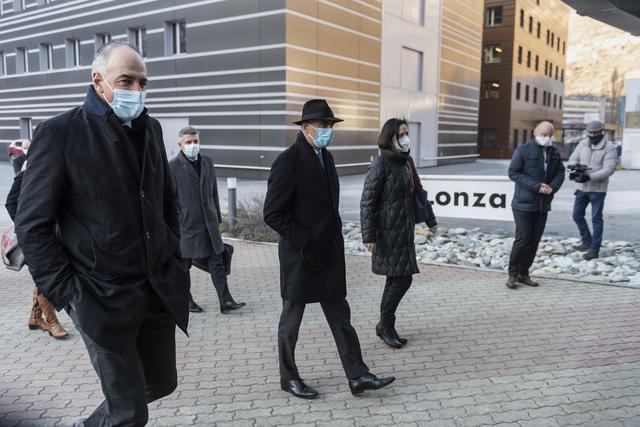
(298, 388)
(526, 280)
(591, 254)
(389, 336)
(511, 282)
(193, 307)
(231, 305)
(402, 341)
(368, 382)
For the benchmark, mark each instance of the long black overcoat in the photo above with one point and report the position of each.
(302, 207)
(198, 207)
(117, 217)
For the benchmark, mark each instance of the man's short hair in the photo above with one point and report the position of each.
(188, 130)
(101, 57)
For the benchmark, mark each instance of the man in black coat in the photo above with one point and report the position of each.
(100, 173)
(537, 170)
(302, 207)
(194, 178)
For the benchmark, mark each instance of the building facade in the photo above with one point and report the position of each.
(238, 70)
(523, 69)
(431, 75)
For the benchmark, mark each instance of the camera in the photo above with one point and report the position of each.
(577, 173)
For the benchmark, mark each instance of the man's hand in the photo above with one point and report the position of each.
(371, 247)
(433, 229)
(545, 189)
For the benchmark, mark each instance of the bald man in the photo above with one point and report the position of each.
(537, 170)
(100, 176)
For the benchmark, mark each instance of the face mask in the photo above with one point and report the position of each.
(126, 104)
(323, 138)
(544, 141)
(595, 140)
(25, 151)
(404, 144)
(191, 151)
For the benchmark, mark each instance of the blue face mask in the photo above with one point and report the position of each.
(323, 138)
(191, 151)
(127, 104)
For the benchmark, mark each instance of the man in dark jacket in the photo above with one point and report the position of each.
(537, 170)
(199, 214)
(302, 207)
(100, 172)
(19, 161)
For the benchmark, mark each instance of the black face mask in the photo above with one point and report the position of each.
(595, 140)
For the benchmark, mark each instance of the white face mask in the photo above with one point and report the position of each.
(191, 151)
(404, 144)
(544, 141)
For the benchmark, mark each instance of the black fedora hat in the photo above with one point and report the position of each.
(316, 110)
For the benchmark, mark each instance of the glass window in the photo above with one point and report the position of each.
(558, 45)
(494, 16)
(492, 54)
(519, 54)
(518, 90)
(175, 38)
(556, 72)
(529, 59)
(26, 128)
(548, 34)
(555, 100)
(524, 136)
(522, 18)
(562, 75)
(3, 63)
(46, 56)
(413, 11)
(553, 37)
(535, 95)
(488, 138)
(411, 69)
(22, 60)
(491, 89)
(537, 62)
(72, 52)
(560, 102)
(138, 38)
(530, 24)
(539, 28)
(526, 93)
(100, 40)
(564, 45)
(515, 138)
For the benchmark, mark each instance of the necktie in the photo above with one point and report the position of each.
(319, 155)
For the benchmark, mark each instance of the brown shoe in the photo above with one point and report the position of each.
(511, 282)
(53, 325)
(526, 280)
(35, 318)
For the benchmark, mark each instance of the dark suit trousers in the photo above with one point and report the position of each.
(338, 315)
(218, 276)
(529, 230)
(144, 372)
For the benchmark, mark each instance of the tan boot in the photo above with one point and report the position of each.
(35, 318)
(53, 325)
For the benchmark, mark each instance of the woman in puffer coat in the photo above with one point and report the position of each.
(387, 218)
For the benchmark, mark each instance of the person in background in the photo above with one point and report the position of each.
(301, 205)
(43, 315)
(19, 161)
(538, 173)
(387, 218)
(601, 158)
(194, 178)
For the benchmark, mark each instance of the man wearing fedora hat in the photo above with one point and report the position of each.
(302, 207)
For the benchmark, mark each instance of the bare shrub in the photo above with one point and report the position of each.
(251, 226)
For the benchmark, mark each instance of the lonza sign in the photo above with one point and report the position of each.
(470, 196)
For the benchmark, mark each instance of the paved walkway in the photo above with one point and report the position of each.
(478, 354)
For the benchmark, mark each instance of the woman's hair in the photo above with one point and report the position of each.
(389, 130)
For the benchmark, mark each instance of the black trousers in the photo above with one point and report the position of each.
(218, 276)
(394, 289)
(144, 372)
(529, 230)
(338, 315)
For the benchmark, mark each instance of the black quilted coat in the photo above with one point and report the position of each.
(387, 215)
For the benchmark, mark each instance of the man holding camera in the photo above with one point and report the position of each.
(593, 161)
